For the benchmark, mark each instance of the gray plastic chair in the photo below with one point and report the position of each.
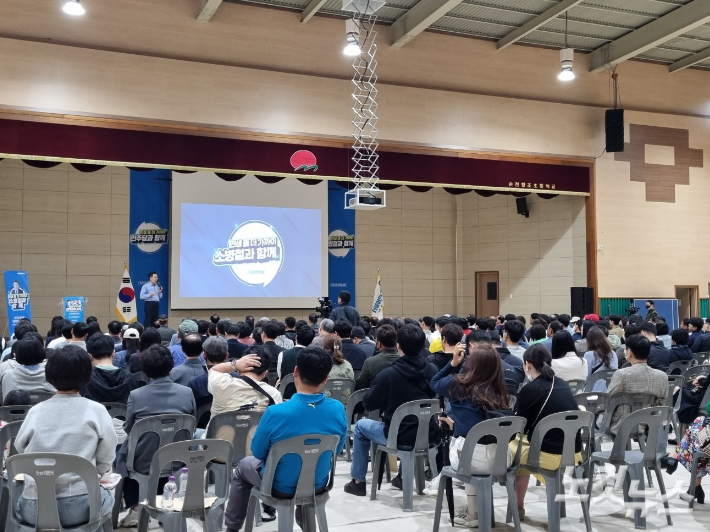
(196, 455)
(503, 430)
(283, 385)
(412, 461)
(8, 433)
(636, 401)
(14, 413)
(571, 423)
(202, 411)
(339, 389)
(679, 367)
(601, 375)
(310, 447)
(45, 469)
(167, 427)
(690, 495)
(701, 358)
(353, 401)
(593, 402)
(576, 385)
(357, 373)
(38, 397)
(657, 420)
(511, 402)
(697, 371)
(235, 429)
(116, 410)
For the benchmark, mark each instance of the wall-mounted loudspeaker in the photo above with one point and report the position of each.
(614, 123)
(522, 204)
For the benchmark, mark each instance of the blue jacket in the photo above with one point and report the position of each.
(465, 414)
(315, 414)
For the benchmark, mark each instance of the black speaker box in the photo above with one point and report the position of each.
(522, 204)
(614, 124)
(582, 300)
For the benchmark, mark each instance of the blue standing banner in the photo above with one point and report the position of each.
(149, 218)
(74, 307)
(341, 245)
(17, 294)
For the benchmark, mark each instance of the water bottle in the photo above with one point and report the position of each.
(182, 486)
(169, 493)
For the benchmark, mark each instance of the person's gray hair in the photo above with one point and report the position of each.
(215, 346)
(327, 325)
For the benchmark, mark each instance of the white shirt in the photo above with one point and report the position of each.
(57, 343)
(229, 393)
(570, 367)
(516, 350)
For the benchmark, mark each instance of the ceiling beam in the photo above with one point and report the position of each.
(419, 18)
(663, 29)
(208, 9)
(690, 60)
(534, 23)
(311, 9)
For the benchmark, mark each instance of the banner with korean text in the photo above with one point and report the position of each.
(74, 308)
(341, 244)
(17, 295)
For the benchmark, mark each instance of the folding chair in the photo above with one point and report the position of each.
(284, 385)
(601, 375)
(14, 413)
(679, 367)
(8, 433)
(339, 389)
(116, 410)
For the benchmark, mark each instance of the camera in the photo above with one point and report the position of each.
(324, 308)
(631, 310)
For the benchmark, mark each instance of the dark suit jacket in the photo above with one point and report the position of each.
(236, 348)
(274, 351)
(701, 344)
(353, 354)
(161, 396)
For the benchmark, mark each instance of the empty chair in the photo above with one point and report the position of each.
(600, 375)
(635, 401)
(196, 456)
(284, 385)
(235, 428)
(576, 385)
(571, 423)
(310, 447)
(679, 367)
(656, 420)
(412, 459)
(9, 414)
(116, 410)
(593, 402)
(339, 389)
(500, 431)
(51, 466)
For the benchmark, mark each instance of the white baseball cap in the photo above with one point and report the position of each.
(574, 320)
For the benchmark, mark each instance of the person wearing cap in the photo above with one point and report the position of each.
(131, 341)
(592, 317)
(185, 328)
(166, 333)
(192, 346)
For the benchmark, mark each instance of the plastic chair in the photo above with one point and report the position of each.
(167, 427)
(601, 375)
(636, 401)
(204, 411)
(502, 430)
(576, 385)
(701, 358)
(116, 410)
(235, 427)
(353, 401)
(656, 419)
(45, 468)
(38, 397)
(196, 455)
(673, 382)
(592, 401)
(340, 389)
(357, 373)
(679, 367)
(283, 385)
(571, 423)
(511, 402)
(412, 460)
(690, 495)
(8, 433)
(14, 413)
(697, 371)
(310, 447)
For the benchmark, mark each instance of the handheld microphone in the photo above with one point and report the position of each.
(158, 283)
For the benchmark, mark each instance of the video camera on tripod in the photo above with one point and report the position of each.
(325, 307)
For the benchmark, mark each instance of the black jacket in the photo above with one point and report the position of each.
(659, 356)
(679, 352)
(273, 350)
(353, 354)
(440, 359)
(235, 348)
(109, 385)
(406, 380)
(701, 344)
(346, 312)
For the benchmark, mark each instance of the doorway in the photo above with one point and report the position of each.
(487, 294)
(688, 302)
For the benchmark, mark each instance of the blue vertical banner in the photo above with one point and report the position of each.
(341, 244)
(74, 307)
(149, 219)
(17, 293)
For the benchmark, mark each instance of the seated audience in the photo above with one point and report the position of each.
(543, 396)
(702, 345)
(149, 337)
(79, 334)
(315, 414)
(186, 328)
(326, 327)
(663, 334)
(581, 345)
(29, 371)
(351, 352)
(659, 356)
(130, 344)
(360, 339)
(114, 332)
(192, 345)
(478, 387)
(537, 333)
(55, 330)
(287, 359)
(386, 354)
(341, 368)
(246, 328)
(554, 327)
(270, 331)
(451, 336)
(600, 356)
(695, 328)
(565, 362)
(638, 378)
(234, 346)
(513, 376)
(59, 341)
(160, 396)
(513, 332)
(68, 423)
(679, 347)
(406, 380)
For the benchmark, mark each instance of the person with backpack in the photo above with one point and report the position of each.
(476, 393)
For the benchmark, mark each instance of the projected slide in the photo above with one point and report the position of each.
(261, 252)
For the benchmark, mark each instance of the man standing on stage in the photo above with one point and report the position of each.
(151, 294)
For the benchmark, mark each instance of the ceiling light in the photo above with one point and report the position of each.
(352, 37)
(73, 7)
(566, 59)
